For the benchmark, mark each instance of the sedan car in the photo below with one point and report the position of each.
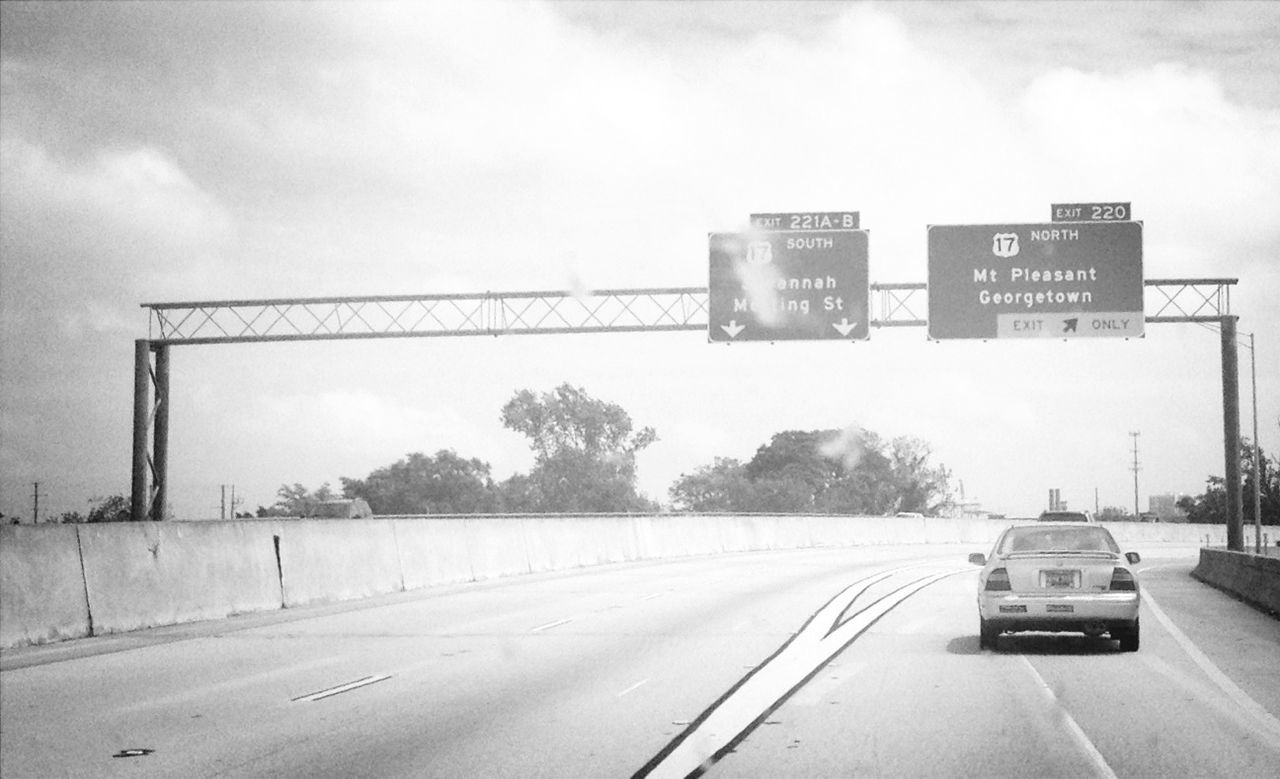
(1059, 578)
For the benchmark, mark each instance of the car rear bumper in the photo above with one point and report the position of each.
(1020, 611)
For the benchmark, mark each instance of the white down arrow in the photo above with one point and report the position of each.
(844, 326)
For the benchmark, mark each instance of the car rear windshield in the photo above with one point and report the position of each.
(1058, 539)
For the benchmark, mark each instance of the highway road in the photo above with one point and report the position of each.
(849, 662)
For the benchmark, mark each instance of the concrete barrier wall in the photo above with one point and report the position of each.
(149, 574)
(145, 574)
(434, 552)
(1253, 579)
(42, 596)
(1167, 532)
(335, 559)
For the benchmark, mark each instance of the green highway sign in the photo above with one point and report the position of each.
(1057, 280)
(788, 286)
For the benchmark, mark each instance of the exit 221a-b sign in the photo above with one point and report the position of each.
(1058, 280)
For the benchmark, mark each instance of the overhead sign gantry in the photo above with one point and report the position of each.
(822, 263)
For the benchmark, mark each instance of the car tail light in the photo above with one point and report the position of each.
(1123, 581)
(998, 580)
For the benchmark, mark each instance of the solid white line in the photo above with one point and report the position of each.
(550, 625)
(633, 687)
(1099, 762)
(1228, 687)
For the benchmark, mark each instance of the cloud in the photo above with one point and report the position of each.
(1168, 140)
(114, 217)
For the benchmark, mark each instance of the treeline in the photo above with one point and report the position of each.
(1210, 507)
(585, 462)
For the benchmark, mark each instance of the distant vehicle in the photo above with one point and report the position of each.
(909, 514)
(1066, 516)
(1064, 578)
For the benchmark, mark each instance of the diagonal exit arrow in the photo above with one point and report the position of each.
(733, 328)
(844, 326)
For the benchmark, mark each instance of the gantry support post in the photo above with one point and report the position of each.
(141, 421)
(160, 443)
(150, 464)
(1231, 433)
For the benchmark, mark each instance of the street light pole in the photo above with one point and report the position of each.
(1257, 453)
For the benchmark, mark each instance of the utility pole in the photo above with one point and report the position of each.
(1136, 513)
(222, 512)
(35, 499)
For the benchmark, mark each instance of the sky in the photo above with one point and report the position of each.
(157, 152)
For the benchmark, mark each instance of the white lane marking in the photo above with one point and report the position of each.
(550, 625)
(1099, 762)
(779, 677)
(634, 687)
(1228, 687)
(348, 687)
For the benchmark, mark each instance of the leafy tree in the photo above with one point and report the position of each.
(723, 486)
(917, 486)
(115, 508)
(1210, 507)
(584, 453)
(823, 471)
(295, 500)
(441, 484)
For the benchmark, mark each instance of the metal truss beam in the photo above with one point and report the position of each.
(418, 316)
(547, 313)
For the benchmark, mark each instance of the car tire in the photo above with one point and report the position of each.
(986, 634)
(1129, 638)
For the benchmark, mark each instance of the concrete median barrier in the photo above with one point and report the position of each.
(145, 574)
(323, 560)
(1251, 578)
(42, 595)
(434, 551)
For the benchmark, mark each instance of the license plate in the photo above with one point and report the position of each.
(1060, 579)
(1060, 608)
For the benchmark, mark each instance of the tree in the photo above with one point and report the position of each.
(1210, 507)
(723, 486)
(825, 471)
(295, 500)
(584, 453)
(441, 484)
(115, 508)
